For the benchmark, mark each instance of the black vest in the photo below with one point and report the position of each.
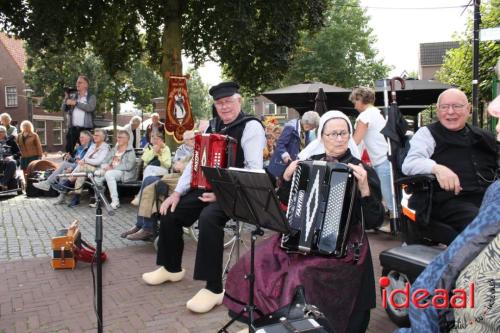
(235, 130)
(470, 153)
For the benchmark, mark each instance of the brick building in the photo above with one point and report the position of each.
(15, 96)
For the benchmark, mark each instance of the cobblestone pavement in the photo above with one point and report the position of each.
(35, 298)
(28, 224)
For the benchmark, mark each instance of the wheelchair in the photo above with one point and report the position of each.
(16, 184)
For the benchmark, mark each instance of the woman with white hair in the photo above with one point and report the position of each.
(296, 135)
(134, 131)
(5, 120)
(342, 288)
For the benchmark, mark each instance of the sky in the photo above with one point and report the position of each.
(399, 28)
(400, 31)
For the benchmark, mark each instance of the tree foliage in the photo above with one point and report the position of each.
(457, 66)
(48, 74)
(201, 103)
(342, 53)
(253, 38)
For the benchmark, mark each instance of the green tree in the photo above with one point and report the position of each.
(48, 74)
(342, 53)
(145, 84)
(201, 103)
(457, 66)
(253, 39)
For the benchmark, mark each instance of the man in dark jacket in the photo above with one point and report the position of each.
(462, 157)
(9, 153)
(185, 205)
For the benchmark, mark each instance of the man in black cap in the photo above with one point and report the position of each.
(184, 206)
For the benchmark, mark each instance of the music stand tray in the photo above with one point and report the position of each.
(248, 196)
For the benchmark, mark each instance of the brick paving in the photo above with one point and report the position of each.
(35, 298)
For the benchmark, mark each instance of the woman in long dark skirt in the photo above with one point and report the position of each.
(342, 288)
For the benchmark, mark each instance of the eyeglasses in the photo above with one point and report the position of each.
(221, 103)
(456, 107)
(121, 137)
(334, 134)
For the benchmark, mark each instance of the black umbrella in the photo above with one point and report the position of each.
(320, 102)
(302, 97)
(415, 96)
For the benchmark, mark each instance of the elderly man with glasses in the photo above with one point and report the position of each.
(184, 205)
(462, 157)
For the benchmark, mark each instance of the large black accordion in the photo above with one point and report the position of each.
(320, 208)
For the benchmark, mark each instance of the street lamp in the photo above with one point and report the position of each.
(29, 101)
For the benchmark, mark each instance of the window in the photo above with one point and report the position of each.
(10, 96)
(270, 108)
(57, 132)
(283, 110)
(40, 129)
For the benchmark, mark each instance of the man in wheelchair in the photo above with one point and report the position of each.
(463, 159)
(9, 153)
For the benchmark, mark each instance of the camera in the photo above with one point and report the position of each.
(72, 92)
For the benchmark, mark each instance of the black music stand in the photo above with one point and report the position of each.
(247, 196)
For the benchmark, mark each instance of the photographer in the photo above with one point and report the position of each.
(80, 108)
(9, 153)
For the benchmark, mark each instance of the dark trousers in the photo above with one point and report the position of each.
(9, 171)
(73, 137)
(209, 254)
(457, 211)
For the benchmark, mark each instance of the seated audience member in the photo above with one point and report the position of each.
(68, 165)
(119, 165)
(184, 206)
(462, 157)
(342, 288)
(9, 153)
(472, 256)
(184, 152)
(89, 163)
(29, 144)
(134, 131)
(157, 160)
(145, 227)
(295, 136)
(5, 120)
(156, 126)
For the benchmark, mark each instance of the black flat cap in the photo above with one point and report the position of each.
(224, 89)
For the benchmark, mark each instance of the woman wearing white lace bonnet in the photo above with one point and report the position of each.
(316, 147)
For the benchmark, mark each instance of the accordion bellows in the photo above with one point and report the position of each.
(320, 208)
(211, 150)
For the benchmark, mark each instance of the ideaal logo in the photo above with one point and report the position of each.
(422, 298)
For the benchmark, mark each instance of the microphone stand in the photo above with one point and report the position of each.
(100, 200)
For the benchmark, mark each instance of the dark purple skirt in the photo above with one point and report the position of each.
(331, 284)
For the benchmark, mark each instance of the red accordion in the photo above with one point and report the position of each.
(212, 150)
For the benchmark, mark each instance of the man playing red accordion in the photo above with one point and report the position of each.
(185, 205)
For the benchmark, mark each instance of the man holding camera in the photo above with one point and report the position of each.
(80, 108)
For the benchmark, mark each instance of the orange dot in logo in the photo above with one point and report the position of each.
(384, 281)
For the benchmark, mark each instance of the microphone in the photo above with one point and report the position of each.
(74, 174)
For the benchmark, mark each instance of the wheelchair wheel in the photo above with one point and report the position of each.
(398, 280)
(229, 232)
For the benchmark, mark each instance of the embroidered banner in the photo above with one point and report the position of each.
(179, 117)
